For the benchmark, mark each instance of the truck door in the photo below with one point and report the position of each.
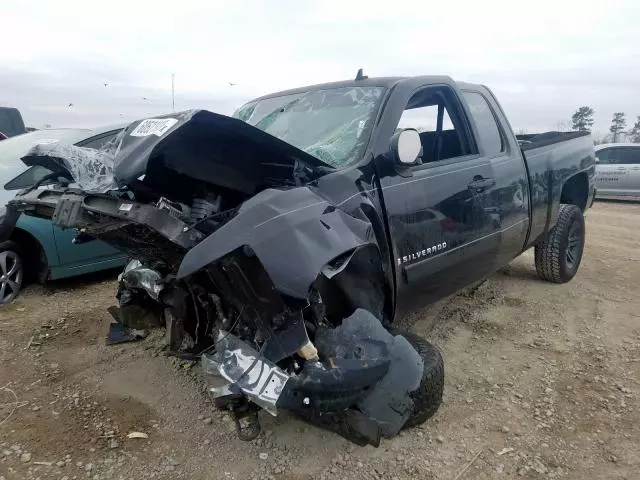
(628, 157)
(611, 172)
(633, 164)
(509, 197)
(442, 218)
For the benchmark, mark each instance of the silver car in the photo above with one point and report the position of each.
(618, 170)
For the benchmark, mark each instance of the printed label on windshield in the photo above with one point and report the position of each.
(153, 126)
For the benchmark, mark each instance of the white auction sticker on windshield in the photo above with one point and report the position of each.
(153, 126)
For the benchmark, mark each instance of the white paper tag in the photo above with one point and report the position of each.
(125, 207)
(153, 126)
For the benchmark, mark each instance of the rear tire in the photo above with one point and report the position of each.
(558, 257)
(11, 271)
(428, 396)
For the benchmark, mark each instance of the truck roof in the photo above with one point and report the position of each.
(618, 144)
(387, 82)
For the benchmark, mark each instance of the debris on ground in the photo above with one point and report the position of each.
(118, 333)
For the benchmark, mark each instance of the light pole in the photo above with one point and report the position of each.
(173, 98)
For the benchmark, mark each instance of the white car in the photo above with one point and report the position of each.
(618, 170)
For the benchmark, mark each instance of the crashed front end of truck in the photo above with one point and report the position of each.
(245, 263)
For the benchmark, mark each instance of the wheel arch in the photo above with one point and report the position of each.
(355, 280)
(34, 254)
(575, 191)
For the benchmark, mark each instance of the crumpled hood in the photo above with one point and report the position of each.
(192, 141)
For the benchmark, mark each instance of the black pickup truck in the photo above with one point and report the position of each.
(280, 244)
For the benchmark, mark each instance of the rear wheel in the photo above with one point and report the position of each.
(428, 396)
(11, 271)
(559, 256)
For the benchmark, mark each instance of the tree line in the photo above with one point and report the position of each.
(582, 121)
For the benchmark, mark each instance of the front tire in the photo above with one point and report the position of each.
(428, 396)
(11, 271)
(558, 257)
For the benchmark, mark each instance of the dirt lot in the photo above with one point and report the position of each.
(542, 381)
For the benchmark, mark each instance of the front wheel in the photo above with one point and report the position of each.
(558, 257)
(11, 272)
(428, 396)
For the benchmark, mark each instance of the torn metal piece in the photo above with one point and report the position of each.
(361, 336)
(136, 275)
(286, 340)
(258, 378)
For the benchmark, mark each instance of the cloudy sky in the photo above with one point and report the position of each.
(542, 58)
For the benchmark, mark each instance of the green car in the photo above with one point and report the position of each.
(37, 250)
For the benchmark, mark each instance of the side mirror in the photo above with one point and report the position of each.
(597, 160)
(405, 147)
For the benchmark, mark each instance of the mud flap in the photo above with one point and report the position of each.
(389, 404)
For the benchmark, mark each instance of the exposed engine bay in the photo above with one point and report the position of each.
(249, 268)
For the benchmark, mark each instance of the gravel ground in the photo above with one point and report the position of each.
(542, 382)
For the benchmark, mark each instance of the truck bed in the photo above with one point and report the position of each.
(535, 140)
(551, 158)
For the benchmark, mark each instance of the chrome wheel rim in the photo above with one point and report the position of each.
(11, 275)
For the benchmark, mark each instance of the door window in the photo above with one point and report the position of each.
(28, 178)
(628, 155)
(434, 112)
(619, 155)
(485, 120)
(603, 156)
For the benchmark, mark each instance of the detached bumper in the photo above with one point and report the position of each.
(361, 364)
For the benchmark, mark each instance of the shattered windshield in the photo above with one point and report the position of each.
(331, 124)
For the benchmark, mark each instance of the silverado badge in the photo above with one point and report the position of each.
(422, 253)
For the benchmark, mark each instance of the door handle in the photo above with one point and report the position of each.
(479, 184)
(621, 169)
(635, 168)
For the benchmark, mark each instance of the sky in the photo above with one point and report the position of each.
(543, 59)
